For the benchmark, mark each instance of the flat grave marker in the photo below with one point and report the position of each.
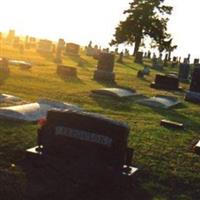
(32, 112)
(160, 101)
(116, 92)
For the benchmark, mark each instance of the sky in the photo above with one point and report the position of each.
(80, 21)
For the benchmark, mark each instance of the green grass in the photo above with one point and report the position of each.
(170, 170)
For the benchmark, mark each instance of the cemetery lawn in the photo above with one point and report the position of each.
(169, 170)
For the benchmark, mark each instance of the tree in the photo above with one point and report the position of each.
(166, 45)
(145, 18)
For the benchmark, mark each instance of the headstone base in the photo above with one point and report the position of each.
(100, 75)
(164, 87)
(192, 96)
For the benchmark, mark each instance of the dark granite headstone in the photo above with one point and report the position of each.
(193, 94)
(139, 57)
(72, 49)
(89, 143)
(165, 82)
(184, 71)
(105, 67)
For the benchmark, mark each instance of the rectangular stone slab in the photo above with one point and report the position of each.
(160, 101)
(171, 124)
(20, 63)
(4, 98)
(116, 92)
(32, 112)
(192, 96)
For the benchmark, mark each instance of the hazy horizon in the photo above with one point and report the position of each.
(81, 21)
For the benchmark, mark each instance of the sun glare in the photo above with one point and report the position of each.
(81, 21)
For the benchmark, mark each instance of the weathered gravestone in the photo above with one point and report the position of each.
(91, 145)
(186, 61)
(59, 49)
(105, 68)
(149, 54)
(72, 49)
(139, 57)
(45, 46)
(157, 63)
(165, 82)
(193, 94)
(174, 61)
(142, 73)
(120, 59)
(16, 42)
(4, 65)
(184, 71)
(11, 36)
(196, 62)
(66, 71)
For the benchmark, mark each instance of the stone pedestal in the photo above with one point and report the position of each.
(105, 68)
(184, 71)
(193, 94)
(101, 75)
